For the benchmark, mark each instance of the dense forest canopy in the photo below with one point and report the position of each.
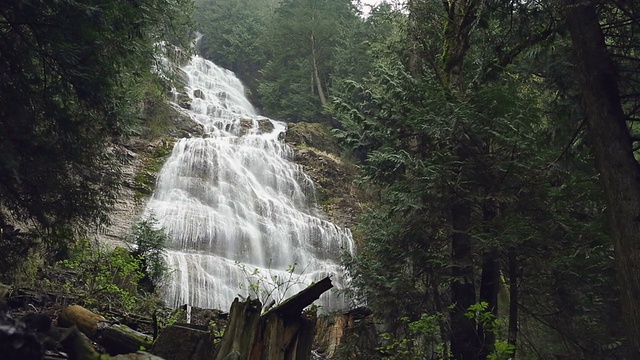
(468, 118)
(70, 91)
(498, 141)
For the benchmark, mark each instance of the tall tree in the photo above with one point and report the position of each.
(461, 154)
(69, 86)
(233, 36)
(301, 43)
(612, 144)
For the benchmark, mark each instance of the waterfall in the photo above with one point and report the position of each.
(239, 215)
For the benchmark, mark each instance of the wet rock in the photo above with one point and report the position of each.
(185, 126)
(313, 135)
(349, 335)
(316, 151)
(198, 93)
(265, 126)
(179, 342)
(183, 100)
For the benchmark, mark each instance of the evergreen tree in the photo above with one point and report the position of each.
(69, 89)
(454, 127)
(301, 46)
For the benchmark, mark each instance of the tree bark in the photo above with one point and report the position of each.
(465, 344)
(89, 323)
(415, 53)
(489, 280)
(316, 73)
(464, 339)
(280, 334)
(489, 285)
(461, 17)
(115, 338)
(620, 172)
(513, 299)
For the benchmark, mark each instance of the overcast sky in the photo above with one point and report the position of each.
(369, 2)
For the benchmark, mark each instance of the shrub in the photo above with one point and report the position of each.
(148, 243)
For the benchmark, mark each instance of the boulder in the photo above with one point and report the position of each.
(184, 342)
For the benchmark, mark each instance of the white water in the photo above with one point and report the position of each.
(234, 204)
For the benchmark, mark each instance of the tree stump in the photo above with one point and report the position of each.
(282, 333)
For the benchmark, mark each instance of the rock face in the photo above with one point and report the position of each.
(177, 342)
(139, 152)
(127, 207)
(317, 151)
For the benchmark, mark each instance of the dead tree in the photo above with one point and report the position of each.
(282, 333)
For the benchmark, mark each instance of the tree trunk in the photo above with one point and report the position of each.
(464, 339)
(461, 16)
(489, 285)
(620, 172)
(465, 344)
(513, 299)
(89, 323)
(489, 280)
(415, 53)
(282, 333)
(316, 73)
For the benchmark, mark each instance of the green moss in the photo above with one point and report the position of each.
(313, 135)
(145, 178)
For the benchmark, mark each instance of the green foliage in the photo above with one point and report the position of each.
(145, 178)
(233, 35)
(70, 90)
(270, 288)
(100, 278)
(301, 45)
(216, 331)
(421, 340)
(16, 248)
(408, 133)
(176, 316)
(480, 313)
(148, 242)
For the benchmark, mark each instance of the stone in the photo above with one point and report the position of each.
(179, 342)
(198, 93)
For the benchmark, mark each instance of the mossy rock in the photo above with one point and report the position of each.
(317, 151)
(145, 178)
(184, 343)
(313, 135)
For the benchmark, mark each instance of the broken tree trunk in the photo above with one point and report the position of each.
(280, 334)
(115, 338)
(89, 323)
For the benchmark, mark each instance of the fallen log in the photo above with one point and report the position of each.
(121, 339)
(281, 333)
(89, 323)
(115, 338)
(294, 305)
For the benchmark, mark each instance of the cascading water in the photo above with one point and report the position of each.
(233, 204)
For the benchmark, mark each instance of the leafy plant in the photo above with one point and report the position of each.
(420, 340)
(270, 288)
(480, 313)
(100, 278)
(148, 243)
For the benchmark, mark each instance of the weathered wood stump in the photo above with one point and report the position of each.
(282, 333)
